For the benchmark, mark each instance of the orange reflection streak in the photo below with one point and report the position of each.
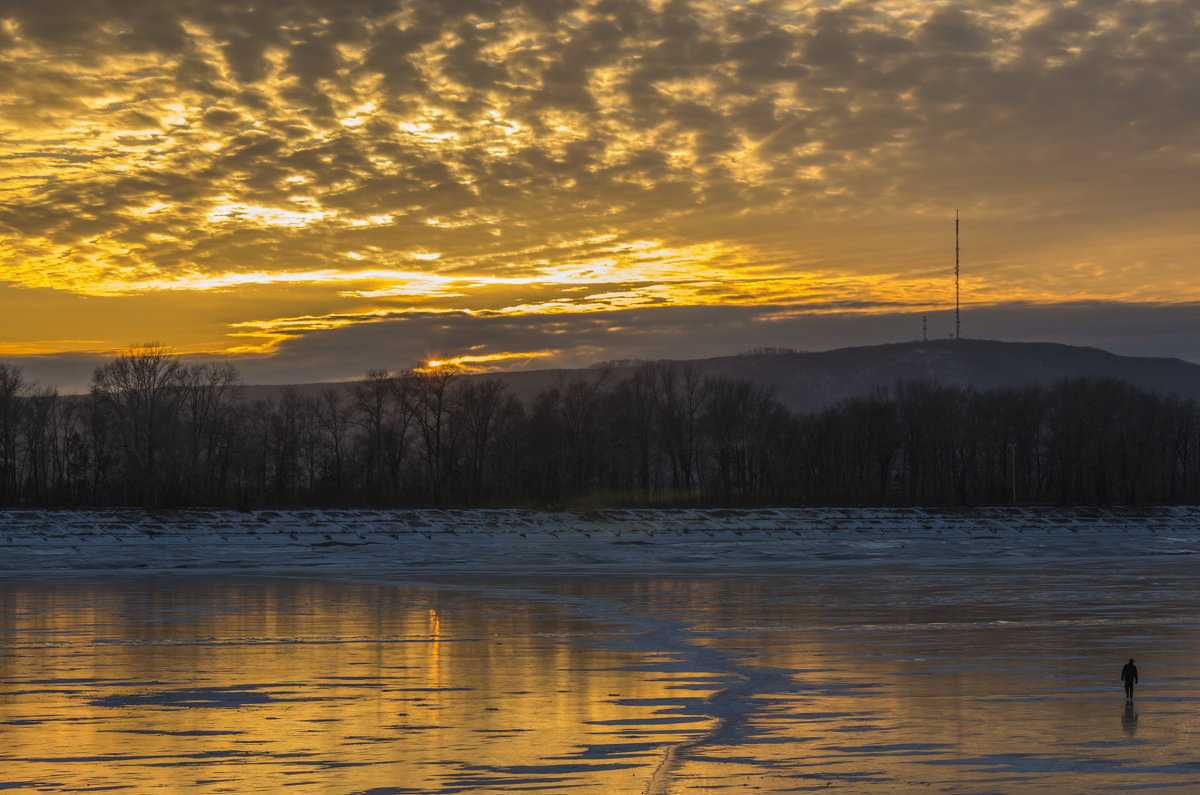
(435, 649)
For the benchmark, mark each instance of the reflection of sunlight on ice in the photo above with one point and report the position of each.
(353, 687)
(895, 675)
(435, 640)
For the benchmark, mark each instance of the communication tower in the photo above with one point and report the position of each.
(957, 321)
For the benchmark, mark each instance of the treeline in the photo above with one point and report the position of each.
(156, 432)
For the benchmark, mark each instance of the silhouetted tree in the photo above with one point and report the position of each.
(741, 423)
(384, 408)
(155, 431)
(208, 405)
(476, 410)
(334, 421)
(138, 394)
(637, 412)
(429, 400)
(12, 410)
(682, 392)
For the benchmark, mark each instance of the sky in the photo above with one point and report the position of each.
(313, 189)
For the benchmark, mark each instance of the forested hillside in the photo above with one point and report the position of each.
(157, 432)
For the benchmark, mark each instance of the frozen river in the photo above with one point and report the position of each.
(886, 673)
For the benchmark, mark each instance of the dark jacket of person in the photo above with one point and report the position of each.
(1129, 673)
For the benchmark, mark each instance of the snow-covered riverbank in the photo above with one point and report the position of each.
(638, 540)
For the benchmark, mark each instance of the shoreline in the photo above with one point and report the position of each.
(646, 540)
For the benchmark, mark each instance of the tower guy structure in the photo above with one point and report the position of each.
(957, 321)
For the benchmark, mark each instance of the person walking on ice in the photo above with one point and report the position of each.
(1129, 677)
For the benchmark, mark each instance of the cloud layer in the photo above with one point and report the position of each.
(289, 172)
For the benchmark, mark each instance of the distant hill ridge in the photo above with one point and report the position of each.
(808, 382)
(811, 381)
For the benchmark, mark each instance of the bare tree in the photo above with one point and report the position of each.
(334, 420)
(429, 400)
(41, 438)
(476, 408)
(293, 439)
(743, 424)
(13, 389)
(683, 392)
(139, 392)
(637, 411)
(583, 420)
(208, 393)
(382, 410)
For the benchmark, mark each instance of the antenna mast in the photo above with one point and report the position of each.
(957, 322)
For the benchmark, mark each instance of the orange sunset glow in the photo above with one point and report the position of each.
(312, 189)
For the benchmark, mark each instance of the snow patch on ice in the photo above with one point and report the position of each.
(628, 539)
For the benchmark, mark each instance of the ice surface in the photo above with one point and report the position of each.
(633, 651)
